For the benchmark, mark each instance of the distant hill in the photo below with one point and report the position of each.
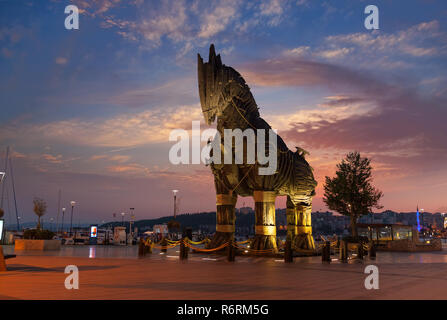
(206, 221)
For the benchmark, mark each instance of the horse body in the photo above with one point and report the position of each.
(225, 95)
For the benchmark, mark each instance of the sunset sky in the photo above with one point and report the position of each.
(89, 111)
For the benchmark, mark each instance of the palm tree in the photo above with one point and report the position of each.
(40, 207)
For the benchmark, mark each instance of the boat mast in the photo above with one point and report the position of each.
(6, 169)
(14, 192)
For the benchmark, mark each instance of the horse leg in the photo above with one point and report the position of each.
(225, 212)
(303, 238)
(265, 226)
(292, 220)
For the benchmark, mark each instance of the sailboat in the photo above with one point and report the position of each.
(6, 176)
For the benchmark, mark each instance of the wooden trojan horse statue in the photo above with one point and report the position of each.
(225, 95)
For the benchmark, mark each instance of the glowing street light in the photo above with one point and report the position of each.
(122, 215)
(175, 202)
(62, 224)
(132, 216)
(73, 203)
(2, 175)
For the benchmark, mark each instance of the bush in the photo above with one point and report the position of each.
(37, 234)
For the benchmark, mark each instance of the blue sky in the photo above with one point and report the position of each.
(89, 111)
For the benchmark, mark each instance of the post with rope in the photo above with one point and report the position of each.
(288, 252)
(360, 251)
(2, 261)
(141, 248)
(372, 250)
(184, 249)
(231, 251)
(343, 251)
(326, 252)
(164, 245)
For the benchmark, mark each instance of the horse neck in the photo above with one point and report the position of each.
(235, 119)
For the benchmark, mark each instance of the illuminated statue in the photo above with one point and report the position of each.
(225, 95)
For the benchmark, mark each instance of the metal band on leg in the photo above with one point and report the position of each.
(303, 229)
(225, 200)
(225, 228)
(264, 196)
(265, 230)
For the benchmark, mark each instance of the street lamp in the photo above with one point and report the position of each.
(73, 203)
(130, 223)
(175, 202)
(122, 219)
(63, 214)
(2, 175)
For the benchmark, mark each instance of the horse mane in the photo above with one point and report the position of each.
(219, 83)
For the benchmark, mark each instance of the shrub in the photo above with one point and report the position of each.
(37, 234)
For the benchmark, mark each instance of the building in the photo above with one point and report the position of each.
(161, 229)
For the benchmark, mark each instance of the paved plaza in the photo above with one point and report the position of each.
(402, 276)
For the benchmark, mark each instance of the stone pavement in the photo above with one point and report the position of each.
(165, 277)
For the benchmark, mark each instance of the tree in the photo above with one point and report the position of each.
(350, 192)
(40, 207)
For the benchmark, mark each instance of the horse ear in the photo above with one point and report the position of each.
(212, 55)
(202, 80)
(213, 59)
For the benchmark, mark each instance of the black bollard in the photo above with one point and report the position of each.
(164, 245)
(326, 252)
(288, 253)
(360, 251)
(183, 249)
(141, 250)
(343, 251)
(231, 251)
(372, 250)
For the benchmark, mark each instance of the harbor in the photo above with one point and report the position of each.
(118, 273)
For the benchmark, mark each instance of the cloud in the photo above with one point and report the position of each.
(61, 60)
(124, 130)
(401, 128)
(189, 24)
(218, 19)
(273, 9)
(95, 7)
(423, 39)
(335, 53)
(378, 49)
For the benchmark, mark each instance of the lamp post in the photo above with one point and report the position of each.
(73, 203)
(175, 203)
(130, 223)
(62, 224)
(2, 175)
(122, 218)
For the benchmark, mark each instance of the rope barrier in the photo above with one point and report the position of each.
(207, 250)
(206, 240)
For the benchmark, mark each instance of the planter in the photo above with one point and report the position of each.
(38, 245)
